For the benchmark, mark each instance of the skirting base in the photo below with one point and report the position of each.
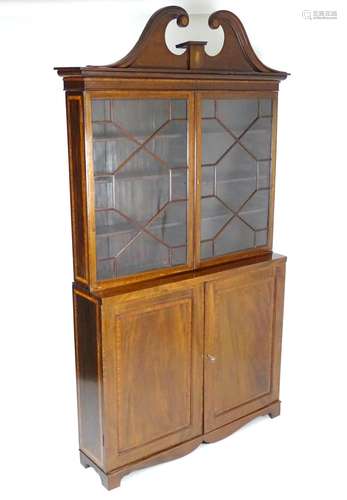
(113, 478)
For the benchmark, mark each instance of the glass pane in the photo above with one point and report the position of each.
(216, 141)
(140, 156)
(179, 255)
(170, 142)
(236, 174)
(238, 114)
(214, 215)
(170, 225)
(236, 236)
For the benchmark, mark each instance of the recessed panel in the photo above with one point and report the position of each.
(242, 335)
(154, 373)
(243, 344)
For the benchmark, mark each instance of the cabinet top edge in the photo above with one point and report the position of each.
(195, 277)
(165, 81)
(119, 73)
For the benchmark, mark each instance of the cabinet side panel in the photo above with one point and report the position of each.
(280, 272)
(74, 106)
(88, 370)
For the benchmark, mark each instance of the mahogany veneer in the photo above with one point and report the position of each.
(178, 298)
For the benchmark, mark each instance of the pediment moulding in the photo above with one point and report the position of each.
(150, 54)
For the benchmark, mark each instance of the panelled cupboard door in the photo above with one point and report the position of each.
(243, 322)
(153, 370)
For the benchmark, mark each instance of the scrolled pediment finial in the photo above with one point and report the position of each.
(151, 50)
(236, 57)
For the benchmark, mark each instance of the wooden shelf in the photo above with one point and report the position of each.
(118, 229)
(139, 138)
(241, 179)
(230, 214)
(134, 176)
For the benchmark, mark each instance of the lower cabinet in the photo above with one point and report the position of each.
(161, 369)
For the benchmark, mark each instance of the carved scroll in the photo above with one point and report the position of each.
(152, 53)
(151, 50)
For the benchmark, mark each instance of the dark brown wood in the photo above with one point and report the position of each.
(75, 120)
(88, 371)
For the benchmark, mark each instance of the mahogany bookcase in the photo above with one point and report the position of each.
(178, 297)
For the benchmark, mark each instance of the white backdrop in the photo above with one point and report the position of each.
(302, 453)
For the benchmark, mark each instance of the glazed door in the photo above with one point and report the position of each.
(243, 321)
(153, 351)
(236, 156)
(141, 184)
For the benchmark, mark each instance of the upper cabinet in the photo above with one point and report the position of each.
(172, 157)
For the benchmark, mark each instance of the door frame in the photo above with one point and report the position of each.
(88, 96)
(261, 250)
(139, 301)
(276, 273)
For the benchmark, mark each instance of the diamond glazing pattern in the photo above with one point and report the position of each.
(140, 173)
(236, 175)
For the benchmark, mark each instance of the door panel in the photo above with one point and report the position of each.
(154, 360)
(235, 159)
(141, 159)
(242, 342)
